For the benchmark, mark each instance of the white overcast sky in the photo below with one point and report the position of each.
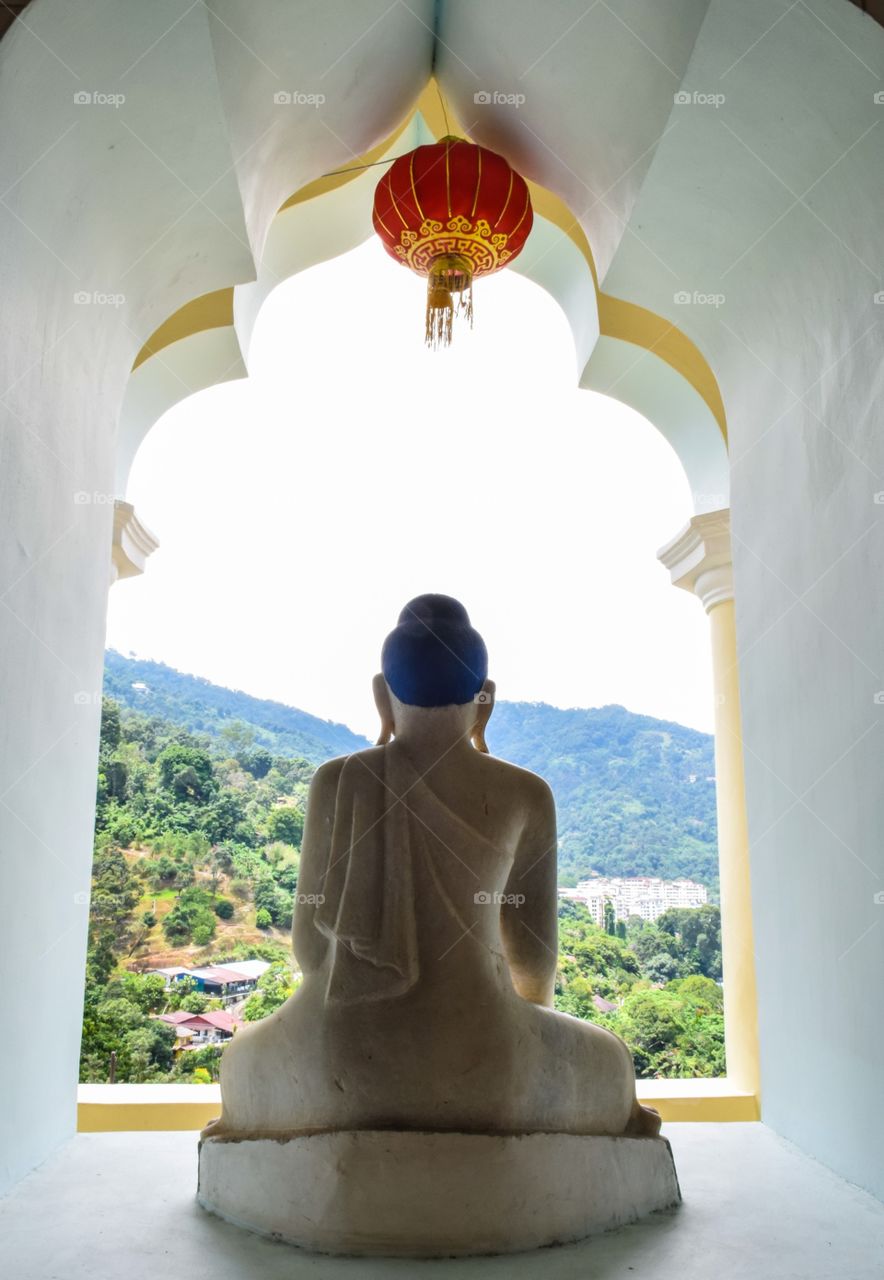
(299, 510)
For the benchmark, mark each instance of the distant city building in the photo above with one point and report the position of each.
(643, 896)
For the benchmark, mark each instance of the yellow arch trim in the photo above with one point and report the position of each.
(208, 311)
(632, 323)
(617, 318)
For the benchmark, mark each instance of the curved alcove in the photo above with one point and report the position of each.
(618, 347)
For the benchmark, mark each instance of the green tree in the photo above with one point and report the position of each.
(203, 928)
(698, 932)
(649, 942)
(610, 920)
(257, 761)
(649, 1024)
(111, 730)
(275, 901)
(179, 992)
(199, 1066)
(145, 990)
(660, 968)
(196, 1002)
(187, 772)
(286, 823)
(286, 876)
(117, 1026)
(673, 1029)
(191, 917)
(115, 892)
(273, 989)
(237, 736)
(225, 819)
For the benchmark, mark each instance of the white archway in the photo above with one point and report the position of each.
(308, 231)
(769, 191)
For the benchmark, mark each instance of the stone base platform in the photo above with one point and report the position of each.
(434, 1195)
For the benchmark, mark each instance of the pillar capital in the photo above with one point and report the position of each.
(132, 542)
(699, 558)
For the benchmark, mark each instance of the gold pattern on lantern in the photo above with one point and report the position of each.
(485, 250)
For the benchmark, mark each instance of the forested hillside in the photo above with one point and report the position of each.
(635, 796)
(197, 858)
(154, 689)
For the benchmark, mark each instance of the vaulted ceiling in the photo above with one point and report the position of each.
(10, 10)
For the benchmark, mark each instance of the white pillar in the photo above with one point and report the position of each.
(699, 560)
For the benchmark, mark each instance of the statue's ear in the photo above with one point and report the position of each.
(385, 709)
(484, 707)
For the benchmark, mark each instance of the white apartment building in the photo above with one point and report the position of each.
(644, 896)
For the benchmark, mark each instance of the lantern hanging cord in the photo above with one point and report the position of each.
(372, 164)
(444, 112)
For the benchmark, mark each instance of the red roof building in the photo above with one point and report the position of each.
(194, 1030)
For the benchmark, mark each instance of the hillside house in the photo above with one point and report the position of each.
(196, 1030)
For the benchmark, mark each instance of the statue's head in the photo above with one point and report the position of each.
(434, 658)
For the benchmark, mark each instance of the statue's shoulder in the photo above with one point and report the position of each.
(328, 774)
(528, 784)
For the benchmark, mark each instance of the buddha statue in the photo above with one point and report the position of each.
(425, 930)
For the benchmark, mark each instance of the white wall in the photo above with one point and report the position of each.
(144, 200)
(796, 346)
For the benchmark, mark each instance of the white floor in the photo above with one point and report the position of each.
(120, 1206)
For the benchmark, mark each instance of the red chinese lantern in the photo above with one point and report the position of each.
(451, 211)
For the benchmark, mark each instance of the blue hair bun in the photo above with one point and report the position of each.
(434, 658)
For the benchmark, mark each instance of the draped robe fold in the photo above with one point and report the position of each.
(391, 834)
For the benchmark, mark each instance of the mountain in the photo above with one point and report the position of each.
(635, 795)
(203, 707)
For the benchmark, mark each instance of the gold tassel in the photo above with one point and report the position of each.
(450, 273)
